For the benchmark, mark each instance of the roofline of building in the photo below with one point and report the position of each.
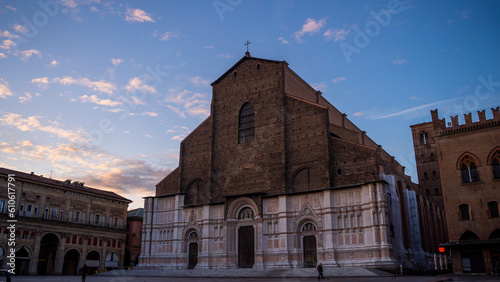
(60, 184)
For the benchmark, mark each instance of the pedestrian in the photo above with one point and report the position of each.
(85, 269)
(320, 272)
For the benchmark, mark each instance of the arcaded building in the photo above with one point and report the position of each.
(61, 225)
(277, 177)
(468, 156)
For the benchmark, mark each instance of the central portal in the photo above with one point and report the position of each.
(310, 257)
(246, 253)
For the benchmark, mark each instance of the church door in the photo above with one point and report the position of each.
(246, 253)
(193, 255)
(310, 257)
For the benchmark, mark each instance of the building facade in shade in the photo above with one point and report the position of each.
(468, 157)
(276, 177)
(61, 225)
(134, 231)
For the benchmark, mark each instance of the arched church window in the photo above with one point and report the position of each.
(469, 170)
(308, 227)
(246, 213)
(246, 124)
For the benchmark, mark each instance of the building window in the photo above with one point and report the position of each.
(21, 209)
(431, 158)
(464, 212)
(36, 211)
(436, 191)
(425, 176)
(495, 163)
(116, 222)
(422, 158)
(46, 214)
(97, 219)
(70, 216)
(469, 170)
(493, 210)
(246, 124)
(77, 217)
(434, 175)
(424, 138)
(2, 206)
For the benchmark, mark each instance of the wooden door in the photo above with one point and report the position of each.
(193, 255)
(246, 247)
(310, 257)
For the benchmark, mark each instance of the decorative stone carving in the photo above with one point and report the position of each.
(246, 213)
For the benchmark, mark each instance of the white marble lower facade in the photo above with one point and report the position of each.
(337, 227)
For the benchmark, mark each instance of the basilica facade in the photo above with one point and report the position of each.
(276, 177)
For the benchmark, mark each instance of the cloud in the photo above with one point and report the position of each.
(7, 34)
(33, 123)
(4, 89)
(26, 98)
(415, 111)
(148, 136)
(96, 86)
(336, 34)
(358, 114)
(19, 28)
(339, 79)
(283, 40)
(26, 54)
(179, 137)
(136, 84)
(320, 86)
(198, 81)
(2, 56)
(169, 35)
(116, 61)
(194, 104)
(10, 8)
(399, 61)
(310, 27)
(224, 56)
(151, 114)
(137, 15)
(53, 64)
(7, 44)
(103, 102)
(464, 14)
(209, 47)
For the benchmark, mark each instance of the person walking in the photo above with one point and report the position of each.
(85, 269)
(320, 272)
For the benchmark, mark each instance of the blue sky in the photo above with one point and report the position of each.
(103, 92)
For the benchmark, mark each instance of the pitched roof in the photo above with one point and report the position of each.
(63, 184)
(136, 213)
(244, 59)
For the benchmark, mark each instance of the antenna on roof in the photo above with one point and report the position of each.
(51, 173)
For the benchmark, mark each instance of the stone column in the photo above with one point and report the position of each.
(58, 267)
(122, 253)
(36, 253)
(103, 254)
(83, 256)
(328, 230)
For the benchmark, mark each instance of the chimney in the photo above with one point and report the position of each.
(32, 173)
(344, 116)
(318, 94)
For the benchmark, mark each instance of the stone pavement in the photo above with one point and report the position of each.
(250, 272)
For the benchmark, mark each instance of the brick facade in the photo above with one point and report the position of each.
(465, 155)
(307, 174)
